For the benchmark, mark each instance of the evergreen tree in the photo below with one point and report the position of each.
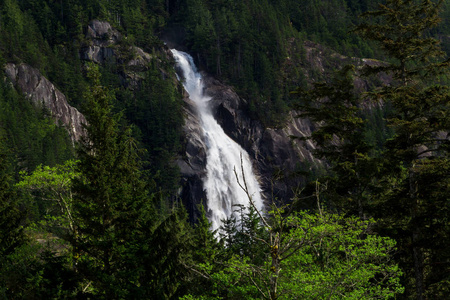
(11, 218)
(334, 107)
(206, 248)
(111, 206)
(415, 204)
(164, 257)
(157, 112)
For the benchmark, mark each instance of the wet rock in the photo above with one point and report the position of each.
(192, 162)
(273, 151)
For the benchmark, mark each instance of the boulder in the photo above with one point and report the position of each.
(101, 37)
(102, 33)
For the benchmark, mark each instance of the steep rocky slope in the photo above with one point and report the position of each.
(105, 44)
(272, 150)
(42, 92)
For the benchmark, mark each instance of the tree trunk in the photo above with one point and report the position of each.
(218, 69)
(418, 266)
(275, 267)
(417, 251)
(239, 61)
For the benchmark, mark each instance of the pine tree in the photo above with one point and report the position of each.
(335, 108)
(111, 206)
(165, 256)
(415, 205)
(11, 218)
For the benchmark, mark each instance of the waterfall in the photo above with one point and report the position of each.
(223, 154)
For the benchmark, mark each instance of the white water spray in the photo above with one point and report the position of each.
(223, 154)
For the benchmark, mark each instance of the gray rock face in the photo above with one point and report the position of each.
(104, 47)
(192, 162)
(102, 32)
(272, 150)
(139, 60)
(101, 36)
(97, 54)
(42, 92)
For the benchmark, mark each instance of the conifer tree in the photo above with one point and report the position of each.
(166, 252)
(415, 204)
(205, 248)
(127, 246)
(11, 231)
(334, 107)
(110, 203)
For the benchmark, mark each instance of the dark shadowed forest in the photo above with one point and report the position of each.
(93, 126)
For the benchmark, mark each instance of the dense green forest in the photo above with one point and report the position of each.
(101, 218)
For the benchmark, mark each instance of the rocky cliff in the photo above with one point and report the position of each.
(105, 44)
(278, 157)
(274, 151)
(42, 92)
(192, 160)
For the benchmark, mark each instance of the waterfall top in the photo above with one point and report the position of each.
(228, 166)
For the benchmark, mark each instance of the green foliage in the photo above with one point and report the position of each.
(35, 272)
(340, 138)
(50, 189)
(400, 31)
(307, 256)
(157, 113)
(11, 218)
(27, 270)
(339, 257)
(243, 42)
(395, 188)
(244, 236)
(31, 136)
(418, 151)
(119, 258)
(164, 257)
(376, 129)
(246, 42)
(108, 194)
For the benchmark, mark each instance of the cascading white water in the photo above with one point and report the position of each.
(223, 154)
